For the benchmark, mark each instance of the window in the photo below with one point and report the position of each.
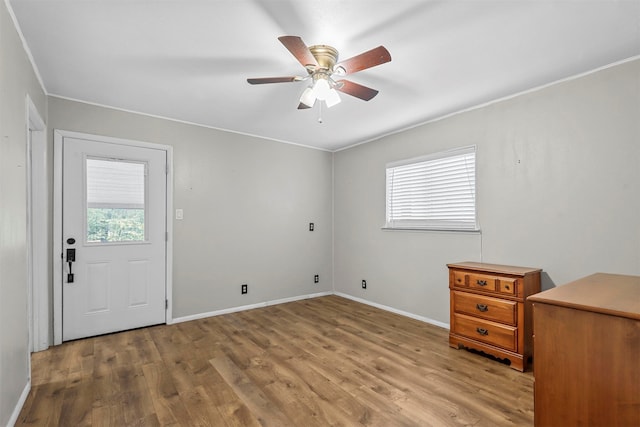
(115, 201)
(435, 192)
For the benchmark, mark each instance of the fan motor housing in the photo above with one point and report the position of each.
(326, 56)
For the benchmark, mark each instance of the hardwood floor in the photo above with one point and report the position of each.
(317, 362)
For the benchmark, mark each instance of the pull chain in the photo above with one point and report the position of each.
(319, 111)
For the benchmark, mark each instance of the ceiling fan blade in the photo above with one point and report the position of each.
(263, 80)
(302, 106)
(296, 46)
(365, 60)
(354, 89)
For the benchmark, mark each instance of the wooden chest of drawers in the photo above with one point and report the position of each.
(489, 312)
(587, 347)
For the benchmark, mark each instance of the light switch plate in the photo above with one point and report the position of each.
(179, 214)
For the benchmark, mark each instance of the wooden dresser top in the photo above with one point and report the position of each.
(614, 294)
(494, 268)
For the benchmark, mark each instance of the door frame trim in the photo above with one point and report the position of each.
(58, 142)
(37, 229)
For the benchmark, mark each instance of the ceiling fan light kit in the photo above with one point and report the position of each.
(321, 64)
(323, 89)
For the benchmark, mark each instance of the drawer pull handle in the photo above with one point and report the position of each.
(481, 282)
(482, 331)
(482, 307)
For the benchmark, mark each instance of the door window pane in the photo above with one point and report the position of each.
(115, 201)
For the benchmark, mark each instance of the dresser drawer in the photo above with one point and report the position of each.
(458, 279)
(507, 285)
(486, 331)
(484, 282)
(498, 310)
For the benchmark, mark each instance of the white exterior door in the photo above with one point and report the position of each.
(114, 237)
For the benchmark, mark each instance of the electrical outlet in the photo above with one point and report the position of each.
(316, 278)
(244, 288)
(364, 284)
(311, 226)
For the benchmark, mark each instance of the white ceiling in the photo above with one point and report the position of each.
(189, 59)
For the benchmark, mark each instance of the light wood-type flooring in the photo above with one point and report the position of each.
(318, 362)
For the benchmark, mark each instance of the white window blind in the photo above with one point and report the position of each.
(435, 192)
(115, 184)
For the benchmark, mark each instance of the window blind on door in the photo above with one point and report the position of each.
(115, 184)
(435, 192)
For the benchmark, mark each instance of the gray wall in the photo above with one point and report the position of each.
(17, 80)
(558, 187)
(247, 206)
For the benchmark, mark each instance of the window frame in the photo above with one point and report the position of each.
(144, 207)
(426, 224)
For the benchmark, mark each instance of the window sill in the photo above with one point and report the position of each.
(431, 230)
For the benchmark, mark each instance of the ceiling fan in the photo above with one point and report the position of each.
(321, 63)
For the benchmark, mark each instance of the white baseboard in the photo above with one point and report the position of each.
(248, 307)
(394, 310)
(308, 296)
(20, 404)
